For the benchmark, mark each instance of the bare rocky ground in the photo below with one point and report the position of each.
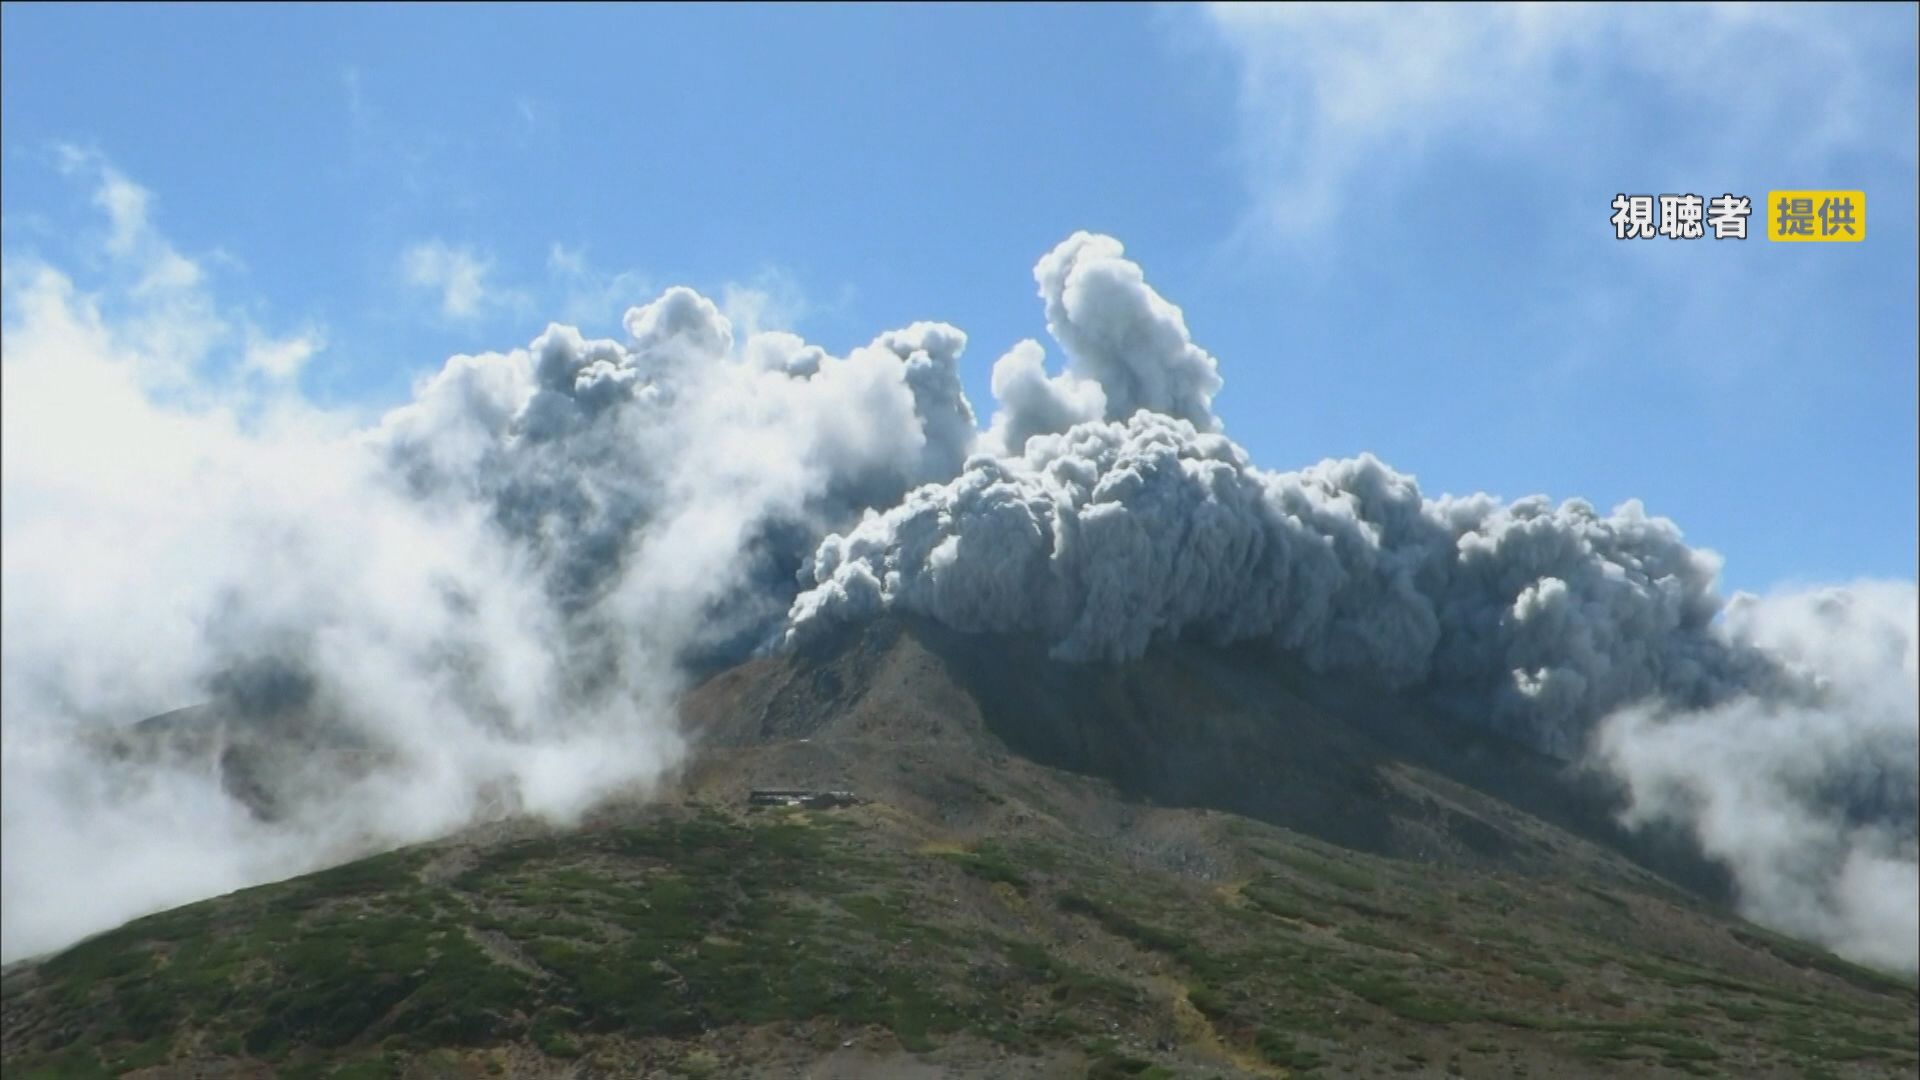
(1201, 865)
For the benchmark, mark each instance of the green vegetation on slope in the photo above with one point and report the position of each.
(666, 938)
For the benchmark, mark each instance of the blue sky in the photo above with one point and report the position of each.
(1391, 226)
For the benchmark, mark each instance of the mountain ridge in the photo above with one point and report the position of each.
(1167, 727)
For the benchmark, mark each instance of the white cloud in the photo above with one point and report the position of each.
(456, 274)
(1811, 803)
(282, 358)
(170, 272)
(126, 205)
(1335, 94)
(772, 300)
(356, 100)
(131, 239)
(495, 584)
(165, 514)
(587, 294)
(179, 327)
(566, 261)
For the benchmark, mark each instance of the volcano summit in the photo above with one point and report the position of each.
(1168, 761)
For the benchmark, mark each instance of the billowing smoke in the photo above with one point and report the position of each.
(1123, 518)
(1117, 534)
(1811, 800)
(1127, 349)
(1107, 513)
(485, 600)
(482, 602)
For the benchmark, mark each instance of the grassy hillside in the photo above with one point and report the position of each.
(707, 941)
(1191, 867)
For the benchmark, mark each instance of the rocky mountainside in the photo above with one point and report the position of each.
(1200, 864)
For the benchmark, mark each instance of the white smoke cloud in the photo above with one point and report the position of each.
(1812, 801)
(152, 547)
(484, 600)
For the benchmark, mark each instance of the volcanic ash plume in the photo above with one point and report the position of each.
(485, 601)
(1101, 530)
(1117, 534)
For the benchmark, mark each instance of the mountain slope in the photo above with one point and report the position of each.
(1236, 730)
(1196, 865)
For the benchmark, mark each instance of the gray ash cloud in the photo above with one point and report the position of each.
(499, 586)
